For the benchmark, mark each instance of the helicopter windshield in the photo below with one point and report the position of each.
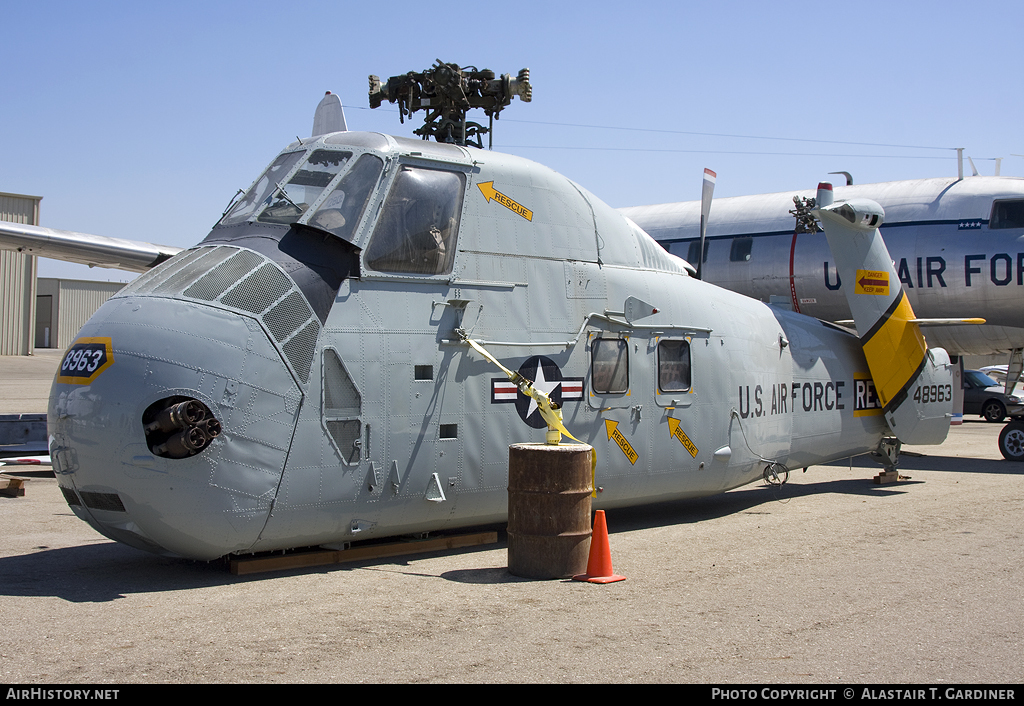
(259, 191)
(289, 201)
(416, 231)
(341, 210)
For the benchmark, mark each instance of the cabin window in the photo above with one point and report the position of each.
(609, 367)
(260, 191)
(1007, 214)
(417, 228)
(740, 250)
(674, 366)
(691, 255)
(341, 211)
(290, 201)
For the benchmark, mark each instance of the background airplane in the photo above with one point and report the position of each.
(958, 247)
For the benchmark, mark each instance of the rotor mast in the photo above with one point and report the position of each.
(446, 92)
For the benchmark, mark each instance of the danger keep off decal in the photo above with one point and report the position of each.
(85, 360)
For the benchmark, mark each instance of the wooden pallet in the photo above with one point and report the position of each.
(242, 566)
(13, 488)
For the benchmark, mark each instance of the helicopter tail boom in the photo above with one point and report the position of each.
(913, 381)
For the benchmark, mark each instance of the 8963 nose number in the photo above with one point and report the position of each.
(85, 360)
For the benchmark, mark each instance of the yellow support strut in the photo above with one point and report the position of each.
(549, 411)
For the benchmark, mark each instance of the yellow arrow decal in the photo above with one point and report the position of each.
(613, 433)
(489, 192)
(674, 430)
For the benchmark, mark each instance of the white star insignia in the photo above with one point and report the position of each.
(541, 384)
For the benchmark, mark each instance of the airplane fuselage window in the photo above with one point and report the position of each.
(341, 211)
(609, 366)
(691, 255)
(417, 228)
(740, 250)
(1007, 214)
(290, 201)
(674, 366)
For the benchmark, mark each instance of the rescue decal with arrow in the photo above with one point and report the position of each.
(675, 431)
(490, 193)
(870, 282)
(613, 433)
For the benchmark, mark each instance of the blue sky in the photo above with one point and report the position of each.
(140, 120)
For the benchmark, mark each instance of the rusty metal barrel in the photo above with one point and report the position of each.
(549, 491)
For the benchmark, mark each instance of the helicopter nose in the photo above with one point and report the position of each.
(173, 433)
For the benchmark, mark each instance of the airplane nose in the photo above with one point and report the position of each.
(176, 443)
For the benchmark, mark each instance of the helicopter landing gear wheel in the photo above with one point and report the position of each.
(777, 474)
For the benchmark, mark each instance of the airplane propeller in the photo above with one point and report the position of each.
(705, 209)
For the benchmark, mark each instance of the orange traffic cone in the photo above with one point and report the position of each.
(599, 565)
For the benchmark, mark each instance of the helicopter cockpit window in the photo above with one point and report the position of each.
(417, 228)
(609, 366)
(342, 209)
(259, 191)
(289, 201)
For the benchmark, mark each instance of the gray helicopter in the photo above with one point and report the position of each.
(321, 368)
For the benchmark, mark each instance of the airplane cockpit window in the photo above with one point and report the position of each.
(417, 228)
(341, 211)
(674, 366)
(1007, 214)
(289, 201)
(609, 366)
(259, 191)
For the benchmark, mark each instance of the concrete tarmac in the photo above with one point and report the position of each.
(25, 380)
(830, 579)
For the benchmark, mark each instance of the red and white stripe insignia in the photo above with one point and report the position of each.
(503, 391)
(506, 391)
(572, 389)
